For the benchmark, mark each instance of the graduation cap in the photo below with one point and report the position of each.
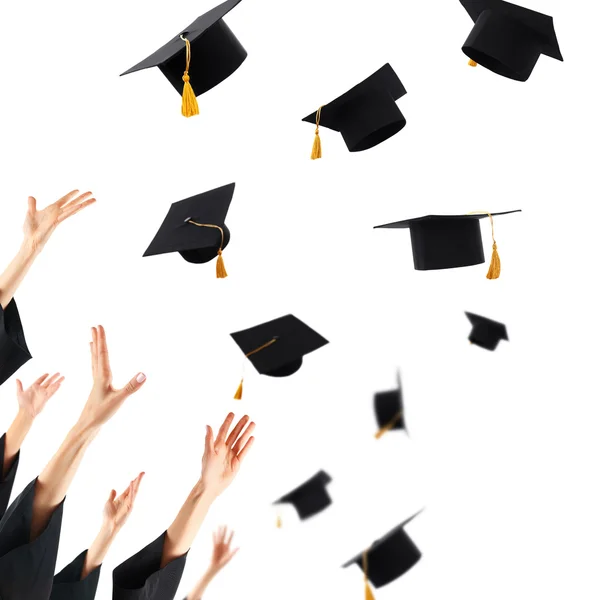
(217, 54)
(508, 39)
(366, 115)
(388, 558)
(448, 241)
(310, 498)
(13, 348)
(276, 348)
(486, 333)
(389, 410)
(195, 227)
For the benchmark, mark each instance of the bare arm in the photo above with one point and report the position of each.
(14, 274)
(220, 464)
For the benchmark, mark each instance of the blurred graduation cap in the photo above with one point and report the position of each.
(448, 241)
(389, 409)
(366, 115)
(217, 54)
(388, 558)
(309, 498)
(508, 39)
(276, 348)
(13, 348)
(485, 332)
(195, 227)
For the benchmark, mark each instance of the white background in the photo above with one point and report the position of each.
(503, 447)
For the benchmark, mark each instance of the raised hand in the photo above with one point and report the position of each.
(104, 399)
(222, 552)
(40, 224)
(117, 510)
(223, 456)
(34, 398)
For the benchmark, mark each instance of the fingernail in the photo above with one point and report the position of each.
(140, 378)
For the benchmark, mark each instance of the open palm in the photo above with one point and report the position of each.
(222, 552)
(118, 510)
(34, 398)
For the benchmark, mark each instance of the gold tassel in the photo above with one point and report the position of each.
(279, 523)
(368, 592)
(189, 104)
(494, 270)
(316, 149)
(388, 427)
(239, 391)
(221, 272)
(472, 63)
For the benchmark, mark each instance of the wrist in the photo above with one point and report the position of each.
(30, 247)
(25, 417)
(205, 491)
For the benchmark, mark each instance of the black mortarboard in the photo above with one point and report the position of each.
(486, 333)
(195, 227)
(508, 39)
(389, 557)
(310, 498)
(448, 241)
(366, 115)
(389, 409)
(276, 348)
(13, 348)
(218, 53)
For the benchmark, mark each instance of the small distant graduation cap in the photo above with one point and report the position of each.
(388, 558)
(389, 409)
(448, 241)
(486, 333)
(366, 115)
(310, 498)
(13, 348)
(218, 53)
(276, 348)
(195, 227)
(508, 39)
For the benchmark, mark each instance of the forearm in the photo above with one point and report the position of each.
(97, 551)
(15, 435)
(184, 528)
(16, 271)
(55, 479)
(198, 591)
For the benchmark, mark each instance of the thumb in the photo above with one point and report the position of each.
(133, 386)
(112, 496)
(19, 386)
(209, 440)
(32, 207)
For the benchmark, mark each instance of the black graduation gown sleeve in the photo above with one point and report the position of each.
(141, 578)
(13, 349)
(6, 484)
(27, 568)
(68, 584)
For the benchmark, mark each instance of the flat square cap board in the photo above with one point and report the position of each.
(389, 409)
(508, 39)
(389, 557)
(216, 52)
(445, 241)
(195, 227)
(276, 348)
(485, 332)
(367, 114)
(311, 497)
(13, 348)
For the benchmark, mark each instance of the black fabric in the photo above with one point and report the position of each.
(367, 114)
(141, 578)
(13, 348)
(508, 39)
(195, 244)
(27, 568)
(68, 584)
(309, 498)
(388, 405)
(216, 52)
(485, 332)
(389, 557)
(294, 339)
(6, 483)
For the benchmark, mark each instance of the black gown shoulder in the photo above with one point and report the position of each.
(6, 484)
(27, 568)
(141, 578)
(13, 348)
(68, 584)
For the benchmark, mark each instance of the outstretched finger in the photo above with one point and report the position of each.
(237, 430)
(31, 204)
(67, 198)
(41, 379)
(94, 350)
(224, 429)
(209, 443)
(229, 538)
(245, 450)
(240, 443)
(19, 386)
(53, 379)
(77, 200)
(73, 209)
(135, 383)
(136, 486)
(112, 496)
(52, 389)
(102, 353)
